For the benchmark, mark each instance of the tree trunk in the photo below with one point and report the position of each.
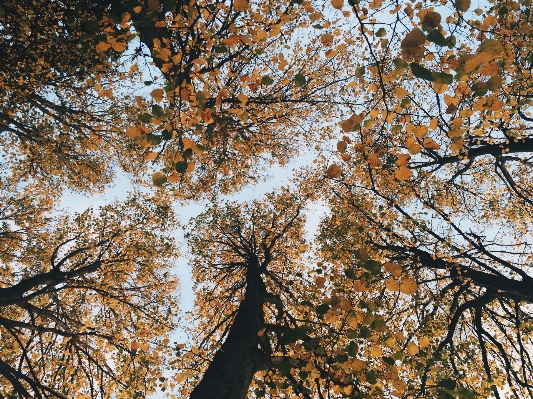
(230, 373)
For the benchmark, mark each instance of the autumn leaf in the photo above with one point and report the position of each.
(334, 171)
(403, 173)
(241, 5)
(408, 286)
(158, 94)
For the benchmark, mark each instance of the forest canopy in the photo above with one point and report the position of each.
(410, 122)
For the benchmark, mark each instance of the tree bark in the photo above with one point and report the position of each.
(230, 373)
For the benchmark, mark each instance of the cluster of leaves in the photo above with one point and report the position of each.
(77, 292)
(421, 287)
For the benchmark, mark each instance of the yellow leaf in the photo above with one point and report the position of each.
(414, 149)
(337, 4)
(359, 285)
(351, 84)
(102, 46)
(350, 123)
(399, 385)
(423, 342)
(153, 4)
(373, 160)
(150, 155)
(341, 146)
(144, 347)
(334, 171)
(430, 144)
(134, 132)
(376, 351)
(243, 99)
(403, 173)
(119, 47)
(232, 40)
(331, 53)
(355, 364)
(137, 9)
(440, 87)
(403, 159)
(392, 284)
(414, 38)
(393, 268)
(401, 92)
(352, 320)
(412, 348)
(327, 39)
(320, 281)
(420, 131)
(241, 5)
(157, 94)
(408, 286)
(174, 178)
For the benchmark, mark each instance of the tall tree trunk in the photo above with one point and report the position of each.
(230, 373)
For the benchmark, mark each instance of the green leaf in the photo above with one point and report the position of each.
(352, 348)
(379, 324)
(166, 134)
(381, 32)
(372, 266)
(157, 110)
(170, 87)
(406, 103)
(290, 336)
(389, 360)
(447, 383)
(350, 273)
(159, 181)
(170, 5)
(420, 72)
(267, 80)
(145, 118)
(221, 49)
(284, 369)
(91, 25)
(148, 82)
(399, 63)
(352, 334)
(299, 80)
(342, 358)
(436, 37)
(181, 167)
(153, 139)
(443, 78)
(360, 72)
(188, 153)
(371, 377)
(364, 332)
(322, 309)
(465, 393)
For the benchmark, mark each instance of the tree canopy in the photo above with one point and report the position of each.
(413, 122)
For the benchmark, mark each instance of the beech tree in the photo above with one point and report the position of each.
(85, 300)
(417, 283)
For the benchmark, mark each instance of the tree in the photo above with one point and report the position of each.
(233, 99)
(419, 284)
(437, 185)
(87, 301)
(52, 124)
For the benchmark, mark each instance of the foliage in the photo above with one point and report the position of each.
(417, 283)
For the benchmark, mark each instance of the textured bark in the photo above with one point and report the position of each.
(230, 373)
